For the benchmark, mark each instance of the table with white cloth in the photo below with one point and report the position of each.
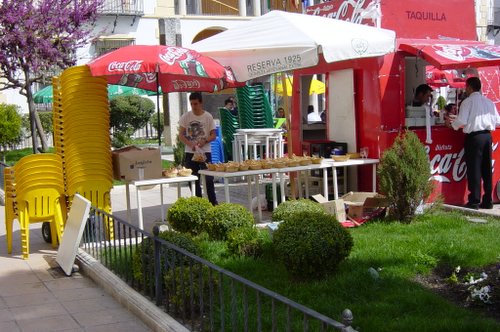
(149, 184)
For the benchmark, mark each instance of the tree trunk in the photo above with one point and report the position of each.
(166, 121)
(36, 126)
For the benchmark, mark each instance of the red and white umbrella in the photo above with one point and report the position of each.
(440, 78)
(162, 68)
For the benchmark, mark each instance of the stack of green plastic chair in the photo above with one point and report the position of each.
(229, 124)
(254, 109)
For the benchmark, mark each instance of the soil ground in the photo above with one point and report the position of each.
(459, 293)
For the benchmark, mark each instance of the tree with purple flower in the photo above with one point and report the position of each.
(37, 36)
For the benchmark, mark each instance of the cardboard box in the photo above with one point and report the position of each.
(361, 203)
(130, 162)
(335, 207)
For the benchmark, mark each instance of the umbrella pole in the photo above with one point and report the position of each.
(158, 109)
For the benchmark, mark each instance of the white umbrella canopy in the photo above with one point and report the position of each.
(280, 41)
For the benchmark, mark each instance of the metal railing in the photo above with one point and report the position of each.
(122, 7)
(147, 132)
(197, 293)
(2, 167)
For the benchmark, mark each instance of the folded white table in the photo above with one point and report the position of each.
(144, 184)
(351, 162)
(270, 138)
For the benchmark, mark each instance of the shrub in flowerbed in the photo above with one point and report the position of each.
(143, 259)
(186, 287)
(404, 174)
(247, 241)
(224, 217)
(287, 208)
(311, 244)
(187, 215)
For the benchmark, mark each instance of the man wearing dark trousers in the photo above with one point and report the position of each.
(196, 131)
(477, 117)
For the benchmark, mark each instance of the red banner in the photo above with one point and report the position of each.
(409, 18)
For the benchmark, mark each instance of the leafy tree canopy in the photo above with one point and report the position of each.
(10, 124)
(130, 112)
(38, 36)
(45, 119)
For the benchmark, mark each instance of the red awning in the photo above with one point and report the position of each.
(452, 54)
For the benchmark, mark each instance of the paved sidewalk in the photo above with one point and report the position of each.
(36, 295)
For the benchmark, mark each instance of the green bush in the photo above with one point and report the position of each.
(128, 114)
(10, 124)
(247, 241)
(287, 208)
(187, 287)
(311, 244)
(187, 215)
(225, 217)
(143, 259)
(404, 173)
(158, 125)
(178, 152)
(122, 138)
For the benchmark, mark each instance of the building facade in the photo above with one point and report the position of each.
(183, 22)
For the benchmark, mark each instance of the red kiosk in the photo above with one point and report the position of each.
(367, 99)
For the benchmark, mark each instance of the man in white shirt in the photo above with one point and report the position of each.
(311, 115)
(477, 117)
(196, 131)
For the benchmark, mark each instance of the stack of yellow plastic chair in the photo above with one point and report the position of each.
(40, 197)
(10, 204)
(57, 114)
(83, 137)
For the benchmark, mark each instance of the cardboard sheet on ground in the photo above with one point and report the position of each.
(361, 206)
(73, 232)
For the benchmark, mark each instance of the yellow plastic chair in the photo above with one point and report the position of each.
(96, 117)
(10, 205)
(40, 204)
(75, 103)
(96, 191)
(39, 159)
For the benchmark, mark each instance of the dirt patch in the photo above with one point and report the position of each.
(454, 285)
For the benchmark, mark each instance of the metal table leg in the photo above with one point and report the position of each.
(139, 208)
(335, 188)
(127, 192)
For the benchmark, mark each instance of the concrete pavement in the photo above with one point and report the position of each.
(36, 295)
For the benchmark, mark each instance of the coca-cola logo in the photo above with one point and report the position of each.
(359, 45)
(453, 52)
(125, 66)
(443, 164)
(172, 55)
(183, 84)
(349, 10)
(446, 167)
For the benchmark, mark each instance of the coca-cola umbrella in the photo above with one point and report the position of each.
(441, 78)
(163, 69)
